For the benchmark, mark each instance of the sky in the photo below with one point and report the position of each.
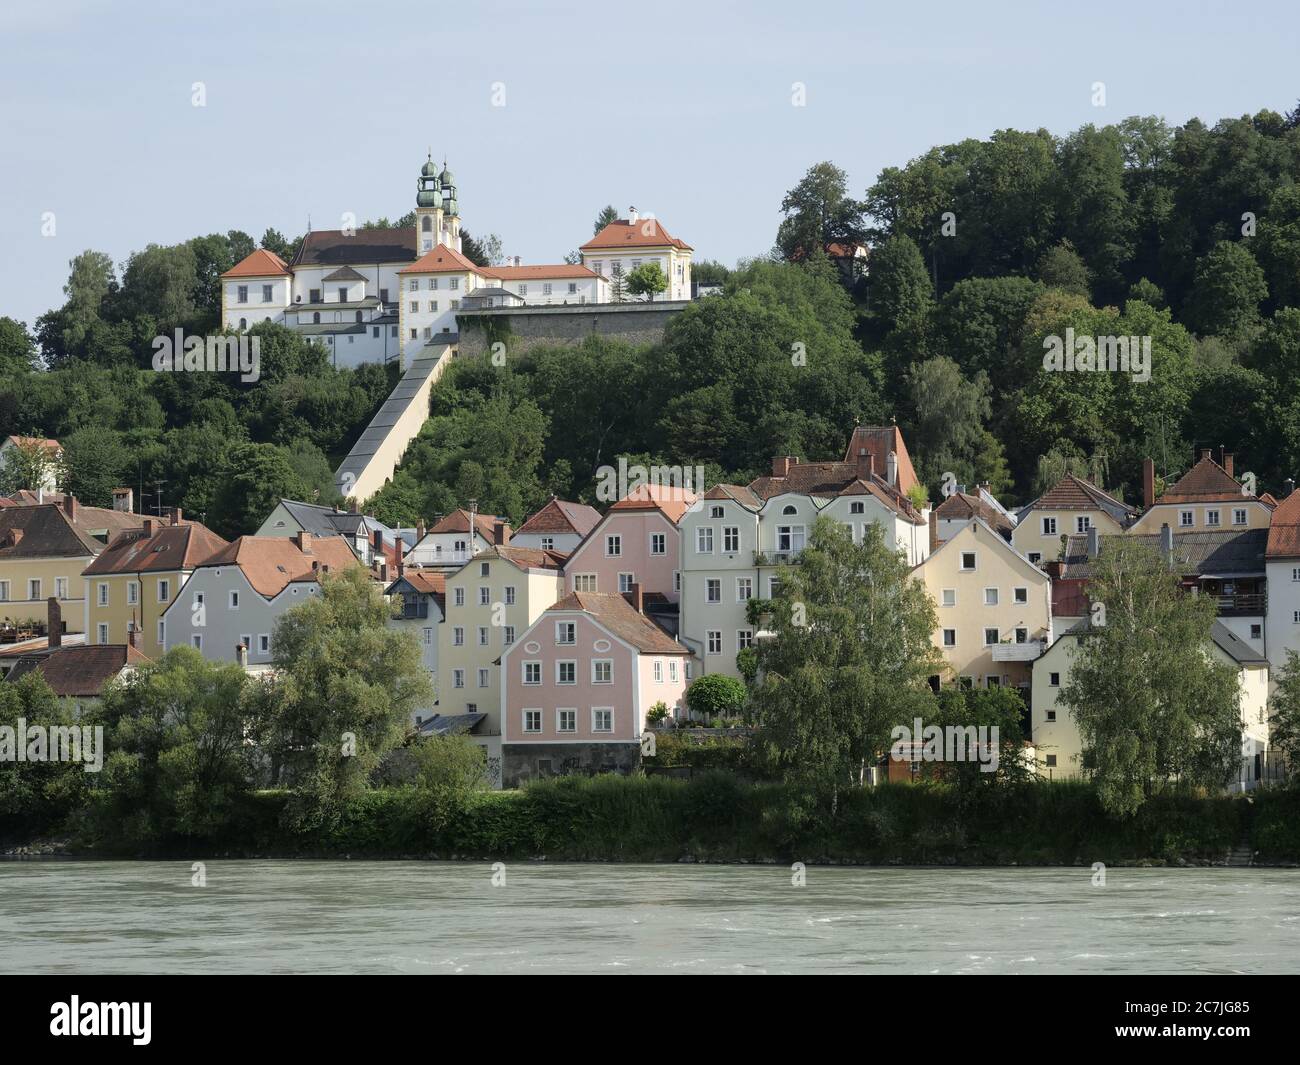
(547, 111)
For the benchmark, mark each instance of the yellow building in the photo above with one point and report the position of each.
(1070, 507)
(43, 550)
(994, 608)
(1207, 498)
(135, 579)
(490, 601)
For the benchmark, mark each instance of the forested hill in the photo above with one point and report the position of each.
(979, 250)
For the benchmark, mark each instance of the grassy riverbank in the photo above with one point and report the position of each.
(717, 817)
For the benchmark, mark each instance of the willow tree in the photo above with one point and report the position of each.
(848, 657)
(1153, 707)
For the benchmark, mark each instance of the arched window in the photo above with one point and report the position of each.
(790, 508)
(358, 316)
(243, 323)
(315, 317)
(426, 224)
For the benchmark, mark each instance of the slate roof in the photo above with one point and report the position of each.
(1235, 647)
(80, 671)
(45, 530)
(447, 724)
(561, 516)
(617, 615)
(1233, 554)
(1284, 530)
(330, 247)
(344, 273)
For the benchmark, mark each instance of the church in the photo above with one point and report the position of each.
(379, 295)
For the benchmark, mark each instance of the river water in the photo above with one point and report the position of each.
(59, 916)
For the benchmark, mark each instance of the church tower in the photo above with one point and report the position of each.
(452, 222)
(429, 209)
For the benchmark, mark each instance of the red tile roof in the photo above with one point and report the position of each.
(172, 547)
(1284, 530)
(271, 563)
(527, 273)
(261, 263)
(526, 557)
(44, 530)
(1074, 493)
(28, 441)
(431, 581)
(561, 516)
(643, 233)
(878, 441)
(82, 670)
(961, 505)
(442, 260)
(1206, 482)
(617, 615)
(671, 501)
(458, 521)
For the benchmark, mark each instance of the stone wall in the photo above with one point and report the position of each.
(522, 762)
(521, 328)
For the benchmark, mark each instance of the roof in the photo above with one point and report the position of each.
(1206, 482)
(458, 522)
(529, 273)
(561, 516)
(261, 263)
(334, 247)
(430, 582)
(975, 525)
(28, 441)
(172, 547)
(878, 441)
(740, 493)
(442, 260)
(1284, 530)
(1230, 554)
(446, 724)
(669, 500)
(620, 617)
(344, 273)
(643, 233)
(329, 521)
(80, 671)
(1074, 493)
(961, 505)
(1234, 647)
(45, 531)
(272, 563)
(525, 557)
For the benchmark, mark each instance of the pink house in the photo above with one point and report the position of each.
(578, 683)
(635, 543)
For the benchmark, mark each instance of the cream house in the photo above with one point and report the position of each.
(1207, 498)
(1071, 507)
(994, 608)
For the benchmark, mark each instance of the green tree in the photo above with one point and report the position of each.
(607, 215)
(254, 479)
(1153, 709)
(646, 281)
(95, 461)
(715, 695)
(17, 348)
(1062, 267)
(898, 286)
(1228, 290)
(1284, 714)
(818, 211)
(30, 465)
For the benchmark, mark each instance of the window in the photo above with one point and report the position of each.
(566, 720)
(433, 306)
(1020, 595)
(625, 581)
(602, 671)
(613, 546)
(482, 636)
(659, 671)
(704, 540)
(1239, 516)
(857, 508)
(484, 595)
(658, 544)
(602, 719)
(1049, 526)
(101, 633)
(744, 589)
(34, 588)
(264, 643)
(1022, 635)
(458, 596)
(566, 672)
(383, 295)
(234, 600)
(990, 637)
(458, 636)
(584, 582)
(730, 539)
(573, 287)
(507, 635)
(1211, 518)
(433, 284)
(1082, 523)
(967, 561)
(672, 670)
(101, 590)
(950, 637)
(532, 721)
(546, 288)
(1051, 761)
(343, 294)
(415, 334)
(532, 673)
(197, 641)
(4, 591)
(990, 597)
(1051, 716)
(267, 295)
(714, 642)
(415, 309)
(164, 591)
(1256, 631)
(61, 587)
(566, 632)
(790, 538)
(242, 294)
(1295, 617)
(548, 543)
(744, 638)
(458, 678)
(454, 284)
(1185, 519)
(713, 590)
(1295, 573)
(483, 678)
(716, 512)
(992, 681)
(412, 286)
(949, 597)
(966, 684)
(1035, 557)
(313, 295)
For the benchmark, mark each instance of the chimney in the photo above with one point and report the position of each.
(1288, 486)
(866, 464)
(891, 469)
(54, 623)
(383, 572)
(130, 633)
(419, 530)
(632, 216)
(303, 540)
(1227, 463)
(176, 515)
(352, 506)
(1206, 452)
(934, 530)
(501, 533)
(148, 527)
(241, 655)
(401, 567)
(1148, 484)
(70, 506)
(1094, 542)
(636, 596)
(1167, 541)
(377, 542)
(780, 465)
(124, 500)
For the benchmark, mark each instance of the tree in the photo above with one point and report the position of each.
(1227, 292)
(715, 695)
(818, 211)
(17, 348)
(607, 215)
(1284, 714)
(1062, 267)
(449, 771)
(31, 465)
(849, 657)
(485, 252)
(898, 285)
(1152, 707)
(256, 477)
(95, 461)
(946, 417)
(342, 695)
(646, 281)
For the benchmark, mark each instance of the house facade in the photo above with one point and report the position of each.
(636, 542)
(1282, 571)
(1070, 507)
(1207, 498)
(628, 243)
(423, 595)
(558, 526)
(448, 543)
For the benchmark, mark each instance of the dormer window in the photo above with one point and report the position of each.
(789, 508)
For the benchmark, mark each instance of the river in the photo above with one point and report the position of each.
(60, 916)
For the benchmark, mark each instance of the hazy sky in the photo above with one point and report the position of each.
(683, 109)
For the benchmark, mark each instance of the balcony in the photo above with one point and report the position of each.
(776, 558)
(1018, 652)
(1242, 604)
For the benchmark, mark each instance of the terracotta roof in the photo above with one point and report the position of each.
(643, 233)
(878, 441)
(561, 516)
(172, 547)
(738, 492)
(1284, 530)
(432, 582)
(1206, 482)
(617, 615)
(442, 260)
(332, 247)
(458, 521)
(46, 531)
(261, 263)
(80, 671)
(671, 501)
(962, 505)
(1074, 493)
(28, 441)
(527, 273)
(271, 563)
(526, 557)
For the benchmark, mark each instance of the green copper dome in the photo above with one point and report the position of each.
(445, 177)
(451, 206)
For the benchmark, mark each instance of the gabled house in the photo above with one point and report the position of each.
(961, 507)
(1282, 570)
(228, 608)
(578, 684)
(1207, 498)
(1070, 507)
(628, 243)
(994, 608)
(370, 539)
(449, 544)
(134, 580)
(558, 526)
(423, 593)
